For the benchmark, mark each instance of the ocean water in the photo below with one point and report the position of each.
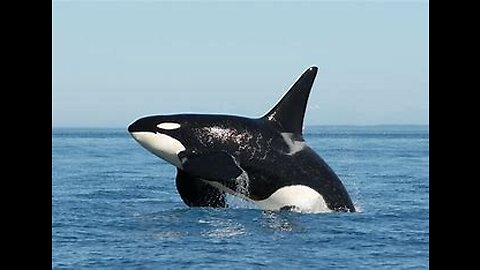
(115, 206)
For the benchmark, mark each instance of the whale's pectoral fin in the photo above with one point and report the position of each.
(213, 166)
(196, 193)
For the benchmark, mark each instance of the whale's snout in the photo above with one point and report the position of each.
(145, 124)
(136, 126)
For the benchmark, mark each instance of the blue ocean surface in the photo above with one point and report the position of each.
(115, 206)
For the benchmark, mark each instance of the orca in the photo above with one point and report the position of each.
(264, 160)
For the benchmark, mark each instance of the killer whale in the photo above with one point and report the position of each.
(265, 160)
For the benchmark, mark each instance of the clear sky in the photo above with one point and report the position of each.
(114, 61)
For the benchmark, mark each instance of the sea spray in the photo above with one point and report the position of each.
(242, 188)
(243, 183)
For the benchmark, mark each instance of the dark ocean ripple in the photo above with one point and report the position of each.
(115, 206)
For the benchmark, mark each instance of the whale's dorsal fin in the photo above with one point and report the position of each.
(288, 113)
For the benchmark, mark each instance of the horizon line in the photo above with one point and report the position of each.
(310, 125)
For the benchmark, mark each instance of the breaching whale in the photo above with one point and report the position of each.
(265, 160)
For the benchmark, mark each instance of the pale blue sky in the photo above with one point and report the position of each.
(116, 61)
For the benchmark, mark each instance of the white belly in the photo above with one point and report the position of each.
(302, 198)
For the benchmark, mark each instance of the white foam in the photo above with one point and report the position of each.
(222, 228)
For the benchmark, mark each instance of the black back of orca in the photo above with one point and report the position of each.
(219, 150)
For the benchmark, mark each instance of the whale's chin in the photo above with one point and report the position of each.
(161, 145)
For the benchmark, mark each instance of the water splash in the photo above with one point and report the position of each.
(358, 206)
(221, 228)
(235, 202)
(241, 199)
(243, 183)
(276, 222)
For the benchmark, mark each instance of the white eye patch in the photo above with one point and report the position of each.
(168, 125)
